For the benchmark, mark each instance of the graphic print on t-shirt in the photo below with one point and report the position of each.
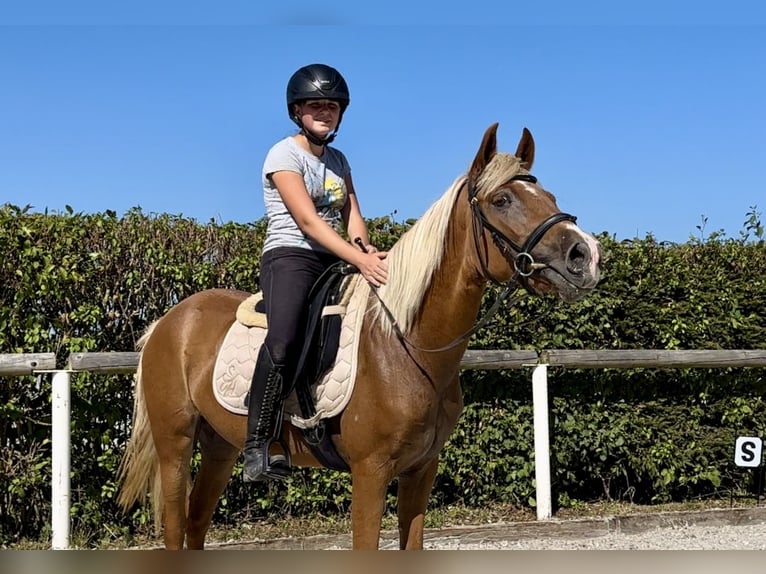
(334, 196)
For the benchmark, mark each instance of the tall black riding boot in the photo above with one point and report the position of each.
(264, 423)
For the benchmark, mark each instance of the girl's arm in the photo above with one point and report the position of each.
(292, 190)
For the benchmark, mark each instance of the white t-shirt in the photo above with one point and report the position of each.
(325, 181)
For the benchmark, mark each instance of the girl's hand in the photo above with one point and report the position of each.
(366, 248)
(373, 267)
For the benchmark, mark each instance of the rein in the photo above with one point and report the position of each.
(524, 264)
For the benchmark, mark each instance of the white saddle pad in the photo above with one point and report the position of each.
(236, 359)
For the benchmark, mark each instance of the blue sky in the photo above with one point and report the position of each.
(645, 120)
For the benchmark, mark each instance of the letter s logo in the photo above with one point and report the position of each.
(748, 451)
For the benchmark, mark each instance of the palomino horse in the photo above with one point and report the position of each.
(495, 224)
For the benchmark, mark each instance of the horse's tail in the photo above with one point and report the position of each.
(139, 472)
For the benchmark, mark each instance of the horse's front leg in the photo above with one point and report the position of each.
(414, 491)
(368, 499)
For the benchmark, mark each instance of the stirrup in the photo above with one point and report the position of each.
(279, 465)
(267, 467)
(278, 468)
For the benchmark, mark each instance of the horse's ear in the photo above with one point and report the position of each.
(526, 150)
(486, 152)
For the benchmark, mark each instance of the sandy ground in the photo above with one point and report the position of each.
(721, 529)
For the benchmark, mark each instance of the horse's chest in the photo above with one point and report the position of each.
(429, 431)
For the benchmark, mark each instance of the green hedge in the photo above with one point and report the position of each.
(93, 282)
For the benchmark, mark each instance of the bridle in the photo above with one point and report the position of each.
(523, 262)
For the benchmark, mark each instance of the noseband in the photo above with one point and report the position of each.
(523, 261)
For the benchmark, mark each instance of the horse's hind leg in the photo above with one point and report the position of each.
(218, 458)
(413, 493)
(174, 450)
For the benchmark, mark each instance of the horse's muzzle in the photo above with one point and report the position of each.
(583, 262)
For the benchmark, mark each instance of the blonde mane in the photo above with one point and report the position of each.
(413, 260)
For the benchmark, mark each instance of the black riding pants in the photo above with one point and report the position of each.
(287, 276)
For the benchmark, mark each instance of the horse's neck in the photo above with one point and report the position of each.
(450, 308)
(452, 302)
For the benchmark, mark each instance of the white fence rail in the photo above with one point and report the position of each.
(126, 362)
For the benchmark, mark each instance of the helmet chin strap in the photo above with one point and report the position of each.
(316, 140)
(313, 138)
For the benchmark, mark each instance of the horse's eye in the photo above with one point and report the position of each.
(502, 200)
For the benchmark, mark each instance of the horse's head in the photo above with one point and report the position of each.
(519, 230)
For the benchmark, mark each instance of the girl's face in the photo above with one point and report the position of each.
(320, 117)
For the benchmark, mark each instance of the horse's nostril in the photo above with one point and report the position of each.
(577, 258)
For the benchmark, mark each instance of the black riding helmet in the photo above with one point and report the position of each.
(317, 82)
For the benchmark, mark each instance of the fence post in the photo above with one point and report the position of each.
(542, 441)
(60, 444)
